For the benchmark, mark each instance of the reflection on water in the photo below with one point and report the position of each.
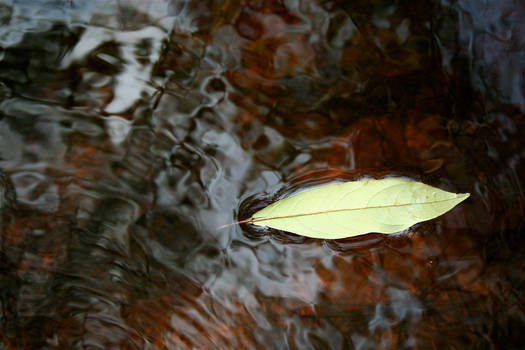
(130, 131)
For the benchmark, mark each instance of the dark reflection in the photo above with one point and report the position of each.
(353, 244)
(131, 131)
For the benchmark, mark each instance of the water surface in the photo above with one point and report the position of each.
(131, 130)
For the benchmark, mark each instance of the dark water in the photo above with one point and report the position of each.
(131, 130)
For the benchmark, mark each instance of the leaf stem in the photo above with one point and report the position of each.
(250, 220)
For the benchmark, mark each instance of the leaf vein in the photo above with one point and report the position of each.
(252, 220)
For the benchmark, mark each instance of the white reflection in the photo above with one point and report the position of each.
(135, 71)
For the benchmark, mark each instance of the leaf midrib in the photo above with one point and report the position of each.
(275, 217)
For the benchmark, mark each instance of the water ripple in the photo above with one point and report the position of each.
(131, 131)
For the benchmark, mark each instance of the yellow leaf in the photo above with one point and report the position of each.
(352, 208)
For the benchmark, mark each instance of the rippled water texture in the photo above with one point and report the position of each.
(131, 130)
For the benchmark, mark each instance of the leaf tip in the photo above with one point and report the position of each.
(463, 196)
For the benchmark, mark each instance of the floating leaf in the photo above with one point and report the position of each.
(352, 208)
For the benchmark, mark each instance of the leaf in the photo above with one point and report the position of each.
(352, 208)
